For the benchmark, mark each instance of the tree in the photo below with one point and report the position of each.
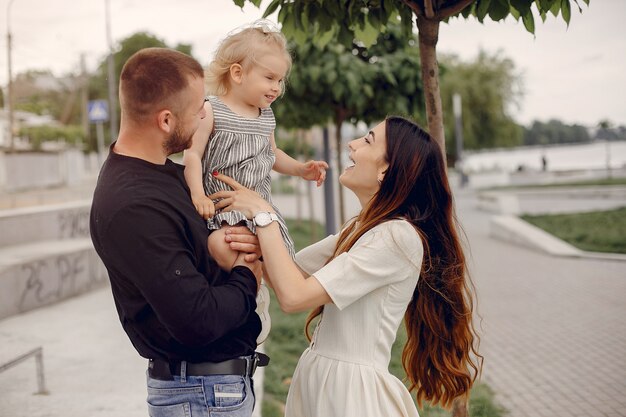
(40, 92)
(605, 130)
(555, 132)
(490, 89)
(338, 84)
(324, 20)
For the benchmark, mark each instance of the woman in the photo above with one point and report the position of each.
(364, 280)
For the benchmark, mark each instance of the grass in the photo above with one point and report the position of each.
(588, 183)
(598, 231)
(287, 342)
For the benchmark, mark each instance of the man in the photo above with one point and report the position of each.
(194, 322)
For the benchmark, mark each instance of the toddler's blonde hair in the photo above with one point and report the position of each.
(243, 46)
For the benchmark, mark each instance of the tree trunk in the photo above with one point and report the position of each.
(309, 192)
(299, 140)
(428, 31)
(339, 119)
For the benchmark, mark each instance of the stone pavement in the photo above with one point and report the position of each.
(90, 367)
(553, 336)
(553, 329)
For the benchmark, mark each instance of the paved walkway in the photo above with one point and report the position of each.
(553, 337)
(553, 329)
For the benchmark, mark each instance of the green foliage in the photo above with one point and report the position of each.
(555, 132)
(606, 131)
(320, 21)
(294, 147)
(54, 101)
(482, 402)
(585, 183)
(600, 231)
(489, 87)
(358, 21)
(339, 83)
(39, 134)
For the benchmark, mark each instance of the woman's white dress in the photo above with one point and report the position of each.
(344, 372)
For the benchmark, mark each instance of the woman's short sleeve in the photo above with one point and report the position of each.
(313, 257)
(389, 253)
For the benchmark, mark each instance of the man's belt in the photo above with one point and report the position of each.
(244, 366)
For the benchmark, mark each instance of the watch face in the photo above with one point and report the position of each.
(262, 219)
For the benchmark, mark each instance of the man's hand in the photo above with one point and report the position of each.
(255, 267)
(204, 206)
(241, 239)
(314, 171)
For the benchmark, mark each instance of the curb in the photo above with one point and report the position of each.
(512, 229)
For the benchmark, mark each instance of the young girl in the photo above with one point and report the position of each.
(236, 137)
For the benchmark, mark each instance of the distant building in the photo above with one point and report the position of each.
(22, 119)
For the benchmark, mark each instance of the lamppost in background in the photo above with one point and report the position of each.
(111, 76)
(10, 82)
(458, 130)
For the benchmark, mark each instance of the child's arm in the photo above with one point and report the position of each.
(310, 170)
(192, 159)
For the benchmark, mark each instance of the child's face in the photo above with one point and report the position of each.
(262, 83)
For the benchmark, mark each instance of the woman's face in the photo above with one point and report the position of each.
(369, 164)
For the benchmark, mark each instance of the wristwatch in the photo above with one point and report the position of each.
(264, 218)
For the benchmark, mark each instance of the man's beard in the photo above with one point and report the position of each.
(178, 142)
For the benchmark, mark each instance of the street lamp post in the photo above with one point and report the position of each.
(10, 82)
(111, 76)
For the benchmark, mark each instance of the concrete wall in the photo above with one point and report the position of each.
(46, 255)
(35, 170)
(49, 274)
(52, 222)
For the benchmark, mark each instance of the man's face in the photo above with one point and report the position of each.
(188, 120)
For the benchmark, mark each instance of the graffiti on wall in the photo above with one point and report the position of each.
(49, 280)
(74, 223)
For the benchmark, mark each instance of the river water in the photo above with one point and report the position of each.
(559, 158)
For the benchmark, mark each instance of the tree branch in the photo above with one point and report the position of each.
(453, 9)
(414, 5)
(428, 8)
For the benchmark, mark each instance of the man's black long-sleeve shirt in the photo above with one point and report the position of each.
(172, 299)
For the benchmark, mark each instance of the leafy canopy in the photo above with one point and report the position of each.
(339, 83)
(321, 21)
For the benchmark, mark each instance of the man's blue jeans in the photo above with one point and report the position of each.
(201, 396)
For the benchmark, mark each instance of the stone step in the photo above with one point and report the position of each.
(44, 223)
(37, 274)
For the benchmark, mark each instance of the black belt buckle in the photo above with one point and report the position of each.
(255, 360)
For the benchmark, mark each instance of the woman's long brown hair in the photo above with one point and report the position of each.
(440, 357)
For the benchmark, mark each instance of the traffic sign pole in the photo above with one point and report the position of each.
(100, 139)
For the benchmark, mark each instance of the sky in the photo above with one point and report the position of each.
(575, 74)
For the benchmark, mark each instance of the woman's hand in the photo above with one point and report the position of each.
(241, 239)
(240, 198)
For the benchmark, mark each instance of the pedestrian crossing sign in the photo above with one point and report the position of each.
(98, 111)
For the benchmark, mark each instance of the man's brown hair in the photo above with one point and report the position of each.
(152, 80)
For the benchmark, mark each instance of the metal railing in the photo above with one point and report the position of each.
(38, 354)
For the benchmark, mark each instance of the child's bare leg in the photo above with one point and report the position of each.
(220, 250)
